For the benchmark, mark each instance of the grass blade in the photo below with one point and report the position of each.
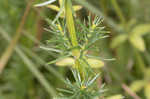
(31, 66)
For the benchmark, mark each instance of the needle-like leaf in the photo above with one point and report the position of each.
(45, 3)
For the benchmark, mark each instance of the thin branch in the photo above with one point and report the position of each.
(130, 92)
(8, 52)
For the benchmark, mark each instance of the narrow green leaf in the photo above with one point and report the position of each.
(50, 49)
(95, 63)
(141, 29)
(118, 11)
(68, 61)
(65, 91)
(118, 40)
(147, 91)
(93, 80)
(116, 97)
(137, 42)
(45, 3)
(53, 7)
(137, 85)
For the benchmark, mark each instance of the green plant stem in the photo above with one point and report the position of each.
(71, 27)
(72, 35)
(139, 61)
(70, 23)
(103, 4)
(118, 11)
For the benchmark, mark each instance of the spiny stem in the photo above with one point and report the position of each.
(71, 27)
(70, 23)
(72, 35)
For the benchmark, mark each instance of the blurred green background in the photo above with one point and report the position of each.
(26, 76)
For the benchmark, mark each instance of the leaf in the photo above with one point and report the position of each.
(65, 91)
(147, 73)
(131, 22)
(137, 42)
(60, 2)
(115, 97)
(93, 80)
(147, 91)
(137, 85)
(95, 63)
(45, 3)
(118, 40)
(77, 7)
(60, 13)
(56, 8)
(65, 62)
(50, 49)
(141, 29)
